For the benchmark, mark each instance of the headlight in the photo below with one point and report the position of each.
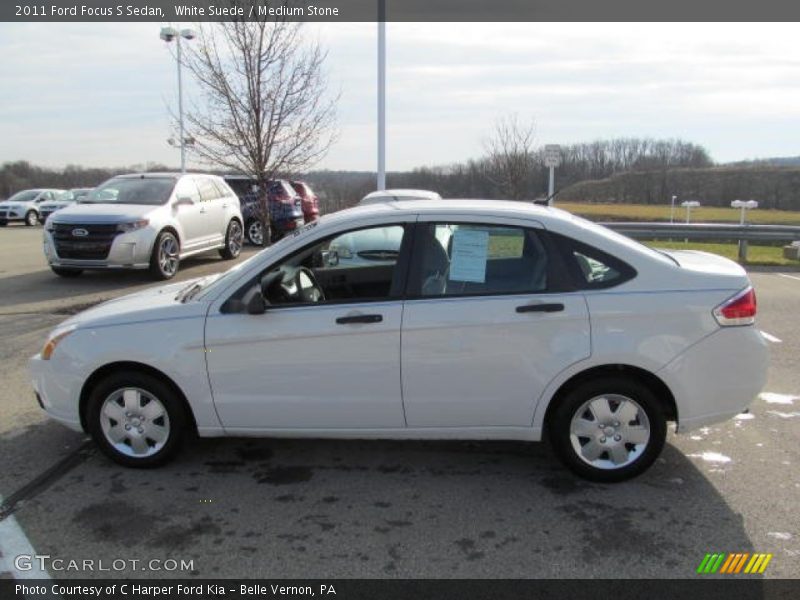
(51, 344)
(132, 226)
(49, 225)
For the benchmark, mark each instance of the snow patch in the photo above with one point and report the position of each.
(744, 416)
(783, 415)
(773, 398)
(780, 535)
(712, 457)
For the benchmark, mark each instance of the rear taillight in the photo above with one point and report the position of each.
(738, 310)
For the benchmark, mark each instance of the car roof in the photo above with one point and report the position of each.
(160, 175)
(507, 208)
(396, 195)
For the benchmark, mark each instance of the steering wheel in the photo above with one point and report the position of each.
(307, 287)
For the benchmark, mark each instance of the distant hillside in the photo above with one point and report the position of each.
(773, 187)
(775, 161)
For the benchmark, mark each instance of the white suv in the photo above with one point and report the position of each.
(24, 206)
(145, 221)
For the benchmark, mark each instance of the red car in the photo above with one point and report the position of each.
(310, 201)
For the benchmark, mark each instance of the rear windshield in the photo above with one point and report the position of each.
(145, 190)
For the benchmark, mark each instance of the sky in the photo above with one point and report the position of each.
(100, 95)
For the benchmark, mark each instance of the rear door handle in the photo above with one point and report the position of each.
(359, 319)
(555, 307)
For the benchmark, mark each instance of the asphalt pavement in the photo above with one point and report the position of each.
(322, 509)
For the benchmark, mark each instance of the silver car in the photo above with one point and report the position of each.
(145, 221)
(63, 200)
(24, 206)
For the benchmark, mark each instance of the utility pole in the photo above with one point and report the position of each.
(381, 94)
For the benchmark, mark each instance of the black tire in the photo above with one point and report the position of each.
(177, 420)
(3, 223)
(234, 238)
(158, 270)
(560, 422)
(31, 218)
(254, 232)
(66, 272)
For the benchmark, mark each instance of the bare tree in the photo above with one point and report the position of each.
(510, 157)
(264, 108)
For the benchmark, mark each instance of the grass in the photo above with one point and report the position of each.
(657, 212)
(756, 255)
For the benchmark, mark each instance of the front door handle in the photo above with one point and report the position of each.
(359, 319)
(554, 307)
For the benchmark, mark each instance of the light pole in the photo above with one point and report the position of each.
(672, 210)
(168, 34)
(381, 94)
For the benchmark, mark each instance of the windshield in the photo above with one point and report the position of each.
(25, 196)
(140, 190)
(232, 273)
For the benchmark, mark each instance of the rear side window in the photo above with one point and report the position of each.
(464, 259)
(590, 268)
(208, 191)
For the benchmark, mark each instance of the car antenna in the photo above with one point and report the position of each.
(546, 200)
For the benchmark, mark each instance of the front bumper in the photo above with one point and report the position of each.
(128, 251)
(11, 215)
(58, 393)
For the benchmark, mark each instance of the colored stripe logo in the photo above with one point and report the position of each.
(733, 563)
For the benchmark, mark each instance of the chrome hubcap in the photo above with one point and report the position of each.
(256, 233)
(32, 218)
(168, 255)
(609, 431)
(235, 238)
(134, 422)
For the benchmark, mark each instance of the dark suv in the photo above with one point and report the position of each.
(284, 203)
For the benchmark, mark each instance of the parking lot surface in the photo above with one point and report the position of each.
(321, 509)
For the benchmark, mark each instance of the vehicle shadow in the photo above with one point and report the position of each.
(312, 508)
(43, 285)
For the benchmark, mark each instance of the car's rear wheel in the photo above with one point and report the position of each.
(165, 258)
(136, 419)
(255, 232)
(31, 218)
(608, 429)
(234, 238)
(66, 272)
(3, 223)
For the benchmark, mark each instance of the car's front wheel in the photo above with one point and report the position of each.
(234, 238)
(31, 218)
(165, 258)
(136, 419)
(608, 429)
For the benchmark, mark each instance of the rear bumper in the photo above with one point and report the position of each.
(718, 377)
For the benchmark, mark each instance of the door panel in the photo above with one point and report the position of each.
(190, 216)
(474, 362)
(296, 367)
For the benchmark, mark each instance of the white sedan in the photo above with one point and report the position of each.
(491, 320)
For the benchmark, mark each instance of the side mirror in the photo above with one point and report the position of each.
(330, 257)
(254, 301)
(184, 201)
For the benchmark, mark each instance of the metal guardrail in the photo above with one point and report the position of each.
(707, 231)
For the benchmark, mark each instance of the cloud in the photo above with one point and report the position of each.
(82, 93)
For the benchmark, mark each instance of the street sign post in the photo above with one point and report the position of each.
(552, 159)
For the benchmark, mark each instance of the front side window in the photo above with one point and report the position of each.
(470, 259)
(358, 266)
(186, 188)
